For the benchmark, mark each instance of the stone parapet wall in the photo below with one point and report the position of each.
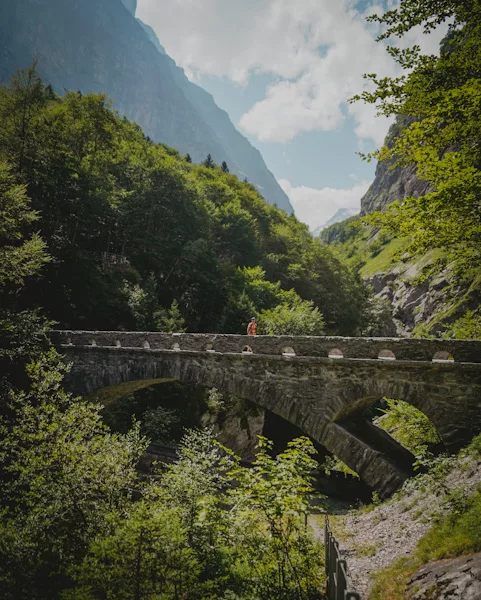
(322, 346)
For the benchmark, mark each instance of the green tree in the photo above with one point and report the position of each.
(146, 557)
(157, 424)
(467, 327)
(301, 319)
(19, 109)
(62, 475)
(210, 528)
(409, 426)
(145, 306)
(285, 563)
(172, 321)
(438, 98)
(115, 208)
(188, 158)
(208, 162)
(224, 167)
(22, 257)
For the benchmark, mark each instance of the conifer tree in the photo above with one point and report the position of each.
(173, 321)
(208, 162)
(224, 167)
(187, 158)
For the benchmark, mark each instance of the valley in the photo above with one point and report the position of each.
(191, 381)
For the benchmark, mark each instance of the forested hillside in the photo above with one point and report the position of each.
(99, 46)
(131, 227)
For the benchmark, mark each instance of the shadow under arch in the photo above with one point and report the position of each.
(452, 426)
(335, 484)
(275, 427)
(358, 421)
(110, 394)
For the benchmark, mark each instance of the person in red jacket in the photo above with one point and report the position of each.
(252, 327)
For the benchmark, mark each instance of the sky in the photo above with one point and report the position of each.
(284, 70)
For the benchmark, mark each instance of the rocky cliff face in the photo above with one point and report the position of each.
(418, 304)
(451, 579)
(99, 46)
(391, 184)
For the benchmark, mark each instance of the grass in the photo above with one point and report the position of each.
(367, 550)
(458, 533)
(338, 528)
(386, 260)
(391, 582)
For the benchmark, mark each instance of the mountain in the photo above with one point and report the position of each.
(130, 5)
(392, 184)
(99, 46)
(341, 215)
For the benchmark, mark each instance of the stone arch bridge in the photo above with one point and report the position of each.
(320, 384)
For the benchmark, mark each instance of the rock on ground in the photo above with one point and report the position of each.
(457, 579)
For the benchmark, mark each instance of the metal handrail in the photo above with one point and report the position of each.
(338, 584)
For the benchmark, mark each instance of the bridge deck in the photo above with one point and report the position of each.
(410, 349)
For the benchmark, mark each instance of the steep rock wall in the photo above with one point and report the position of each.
(391, 184)
(130, 5)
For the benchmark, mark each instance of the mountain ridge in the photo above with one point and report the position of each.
(341, 215)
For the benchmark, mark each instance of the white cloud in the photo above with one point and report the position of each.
(315, 207)
(316, 49)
